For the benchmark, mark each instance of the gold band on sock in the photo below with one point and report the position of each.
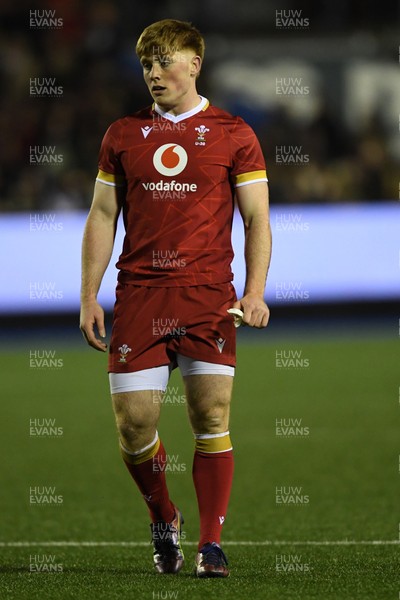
(211, 443)
(136, 458)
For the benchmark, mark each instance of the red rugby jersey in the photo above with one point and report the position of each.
(180, 174)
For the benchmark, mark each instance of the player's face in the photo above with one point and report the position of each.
(172, 79)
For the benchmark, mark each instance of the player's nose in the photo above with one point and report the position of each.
(155, 71)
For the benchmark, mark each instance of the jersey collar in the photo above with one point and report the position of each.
(177, 118)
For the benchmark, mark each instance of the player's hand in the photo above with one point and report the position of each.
(256, 312)
(92, 315)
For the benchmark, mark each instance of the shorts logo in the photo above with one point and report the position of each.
(170, 159)
(124, 349)
(220, 344)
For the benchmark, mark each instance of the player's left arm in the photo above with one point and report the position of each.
(253, 205)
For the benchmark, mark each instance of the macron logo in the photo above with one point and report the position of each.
(221, 520)
(146, 130)
(220, 344)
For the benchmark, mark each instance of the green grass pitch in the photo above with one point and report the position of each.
(337, 469)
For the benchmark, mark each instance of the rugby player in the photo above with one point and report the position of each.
(175, 169)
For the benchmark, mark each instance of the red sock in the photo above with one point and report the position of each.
(212, 476)
(149, 476)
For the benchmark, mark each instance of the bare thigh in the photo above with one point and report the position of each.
(208, 401)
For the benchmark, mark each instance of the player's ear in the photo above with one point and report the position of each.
(195, 66)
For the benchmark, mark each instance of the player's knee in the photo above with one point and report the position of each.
(210, 419)
(132, 430)
(210, 423)
(135, 426)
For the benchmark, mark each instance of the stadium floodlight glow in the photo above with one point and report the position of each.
(330, 253)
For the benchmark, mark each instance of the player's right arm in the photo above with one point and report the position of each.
(97, 247)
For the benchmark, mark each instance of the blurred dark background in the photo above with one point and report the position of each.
(341, 115)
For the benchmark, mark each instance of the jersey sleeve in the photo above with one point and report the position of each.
(110, 168)
(248, 160)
